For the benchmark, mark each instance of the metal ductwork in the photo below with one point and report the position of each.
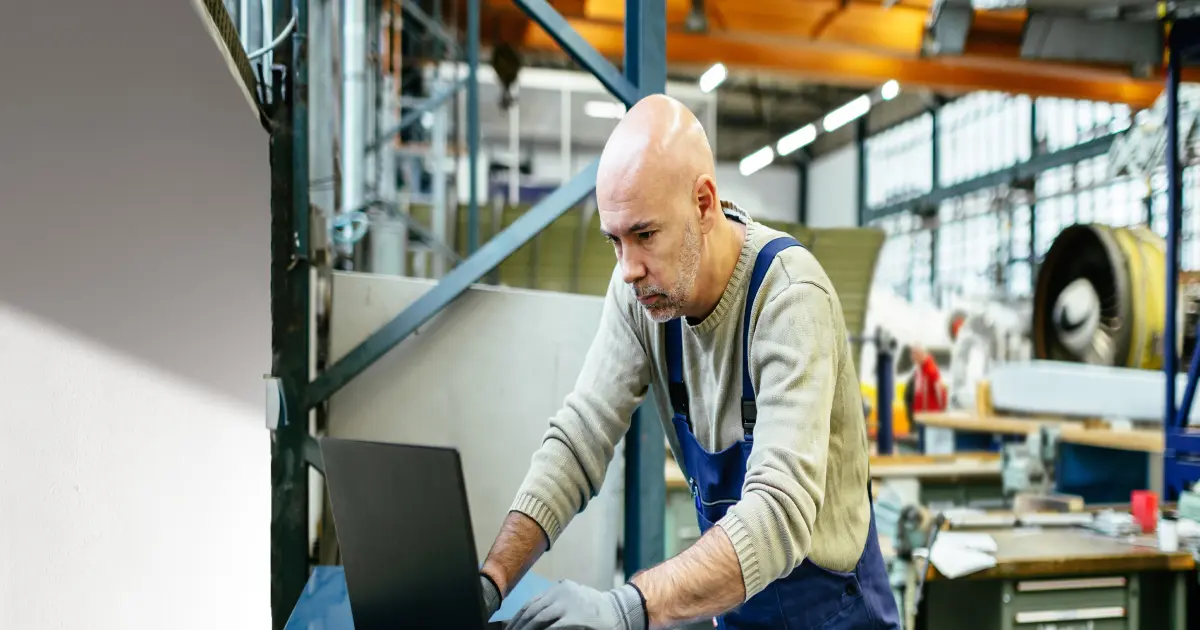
(1100, 299)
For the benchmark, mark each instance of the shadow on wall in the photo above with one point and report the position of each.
(136, 189)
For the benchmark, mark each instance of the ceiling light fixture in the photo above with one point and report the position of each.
(713, 77)
(756, 161)
(604, 109)
(850, 111)
(889, 90)
(797, 139)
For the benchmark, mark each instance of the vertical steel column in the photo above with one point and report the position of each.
(884, 389)
(645, 444)
(1181, 457)
(289, 315)
(861, 140)
(564, 135)
(802, 176)
(472, 125)
(514, 148)
(935, 163)
(1174, 213)
(1033, 152)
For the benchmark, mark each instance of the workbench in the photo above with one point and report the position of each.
(1100, 464)
(1063, 578)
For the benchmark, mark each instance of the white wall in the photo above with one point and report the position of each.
(833, 188)
(134, 324)
(771, 193)
(484, 376)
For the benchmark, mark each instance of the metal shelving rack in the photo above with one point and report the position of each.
(293, 448)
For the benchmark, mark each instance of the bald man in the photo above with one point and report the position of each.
(738, 330)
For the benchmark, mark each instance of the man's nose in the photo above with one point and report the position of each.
(632, 268)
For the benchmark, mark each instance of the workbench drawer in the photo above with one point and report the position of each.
(1092, 603)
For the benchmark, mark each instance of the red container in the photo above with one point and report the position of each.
(1144, 505)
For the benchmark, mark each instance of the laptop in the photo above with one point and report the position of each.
(404, 530)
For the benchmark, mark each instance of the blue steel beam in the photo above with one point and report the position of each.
(645, 444)
(584, 54)
(494, 252)
(473, 125)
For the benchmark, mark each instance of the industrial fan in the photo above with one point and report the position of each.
(1099, 297)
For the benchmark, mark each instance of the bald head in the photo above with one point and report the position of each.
(658, 204)
(659, 141)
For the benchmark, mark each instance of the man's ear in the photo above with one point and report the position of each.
(705, 197)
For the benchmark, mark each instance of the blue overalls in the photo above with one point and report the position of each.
(810, 597)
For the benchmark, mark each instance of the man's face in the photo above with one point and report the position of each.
(658, 248)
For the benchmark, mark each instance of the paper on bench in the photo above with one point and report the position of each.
(956, 554)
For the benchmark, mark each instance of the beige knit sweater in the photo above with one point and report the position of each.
(805, 493)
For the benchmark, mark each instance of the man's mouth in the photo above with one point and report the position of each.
(647, 300)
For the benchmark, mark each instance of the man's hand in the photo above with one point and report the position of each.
(572, 606)
(491, 596)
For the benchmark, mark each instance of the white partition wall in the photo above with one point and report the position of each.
(484, 376)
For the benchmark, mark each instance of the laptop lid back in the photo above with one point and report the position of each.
(404, 530)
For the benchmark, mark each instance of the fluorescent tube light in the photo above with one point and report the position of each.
(798, 138)
(756, 161)
(713, 77)
(846, 113)
(889, 90)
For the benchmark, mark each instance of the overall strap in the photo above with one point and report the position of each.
(675, 385)
(761, 264)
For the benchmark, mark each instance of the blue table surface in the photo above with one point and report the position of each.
(325, 604)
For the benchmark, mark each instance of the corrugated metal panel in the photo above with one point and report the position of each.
(849, 256)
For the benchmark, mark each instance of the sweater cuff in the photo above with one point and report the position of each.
(752, 575)
(536, 509)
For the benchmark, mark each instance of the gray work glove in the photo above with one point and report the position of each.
(491, 596)
(571, 606)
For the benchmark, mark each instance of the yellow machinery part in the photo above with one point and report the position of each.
(901, 425)
(1125, 265)
(1145, 259)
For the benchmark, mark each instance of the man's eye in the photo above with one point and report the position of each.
(644, 236)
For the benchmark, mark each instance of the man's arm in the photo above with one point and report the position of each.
(520, 543)
(703, 581)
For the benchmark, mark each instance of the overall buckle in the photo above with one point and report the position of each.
(749, 416)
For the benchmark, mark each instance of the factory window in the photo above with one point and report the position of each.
(974, 245)
(920, 280)
(982, 133)
(895, 266)
(900, 162)
(1063, 123)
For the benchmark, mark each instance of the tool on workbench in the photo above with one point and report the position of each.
(938, 522)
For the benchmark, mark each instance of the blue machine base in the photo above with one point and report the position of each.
(1100, 475)
(325, 604)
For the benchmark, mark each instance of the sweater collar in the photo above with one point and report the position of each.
(733, 289)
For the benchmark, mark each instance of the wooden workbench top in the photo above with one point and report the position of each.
(1049, 552)
(1071, 431)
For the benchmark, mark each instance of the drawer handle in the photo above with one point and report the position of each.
(1067, 585)
(1078, 614)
